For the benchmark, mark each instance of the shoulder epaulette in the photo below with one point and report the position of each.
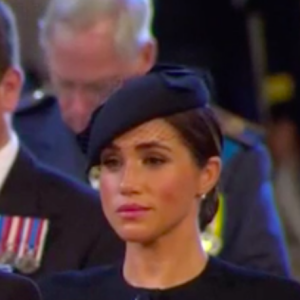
(34, 100)
(239, 129)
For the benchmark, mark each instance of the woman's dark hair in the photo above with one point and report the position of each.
(200, 131)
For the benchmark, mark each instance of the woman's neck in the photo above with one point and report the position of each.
(171, 261)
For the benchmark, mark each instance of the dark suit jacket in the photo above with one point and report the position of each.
(252, 232)
(15, 287)
(79, 236)
(218, 281)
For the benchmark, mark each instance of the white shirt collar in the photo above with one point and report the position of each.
(8, 156)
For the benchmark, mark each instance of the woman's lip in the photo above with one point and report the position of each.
(132, 208)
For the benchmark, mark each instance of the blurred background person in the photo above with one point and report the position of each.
(284, 142)
(89, 51)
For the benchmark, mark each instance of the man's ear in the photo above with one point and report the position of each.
(10, 89)
(147, 57)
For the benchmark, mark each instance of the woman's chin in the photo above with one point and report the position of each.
(135, 236)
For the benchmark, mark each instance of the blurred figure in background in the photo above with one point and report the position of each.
(89, 47)
(284, 143)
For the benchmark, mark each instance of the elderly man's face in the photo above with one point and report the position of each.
(85, 68)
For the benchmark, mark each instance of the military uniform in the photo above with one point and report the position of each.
(39, 125)
(51, 223)
(246, 231)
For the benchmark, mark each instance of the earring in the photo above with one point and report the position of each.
(203, 196)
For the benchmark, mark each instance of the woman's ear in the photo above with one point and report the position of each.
(209, 175)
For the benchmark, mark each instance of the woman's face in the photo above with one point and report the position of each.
(150, 183)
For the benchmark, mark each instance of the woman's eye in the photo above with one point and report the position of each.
(154, 161)
(111, 162)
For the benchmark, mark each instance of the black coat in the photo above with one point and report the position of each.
(218, 281)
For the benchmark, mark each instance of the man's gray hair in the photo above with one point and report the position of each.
(133, 19)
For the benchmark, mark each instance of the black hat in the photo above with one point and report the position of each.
(164, 91)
